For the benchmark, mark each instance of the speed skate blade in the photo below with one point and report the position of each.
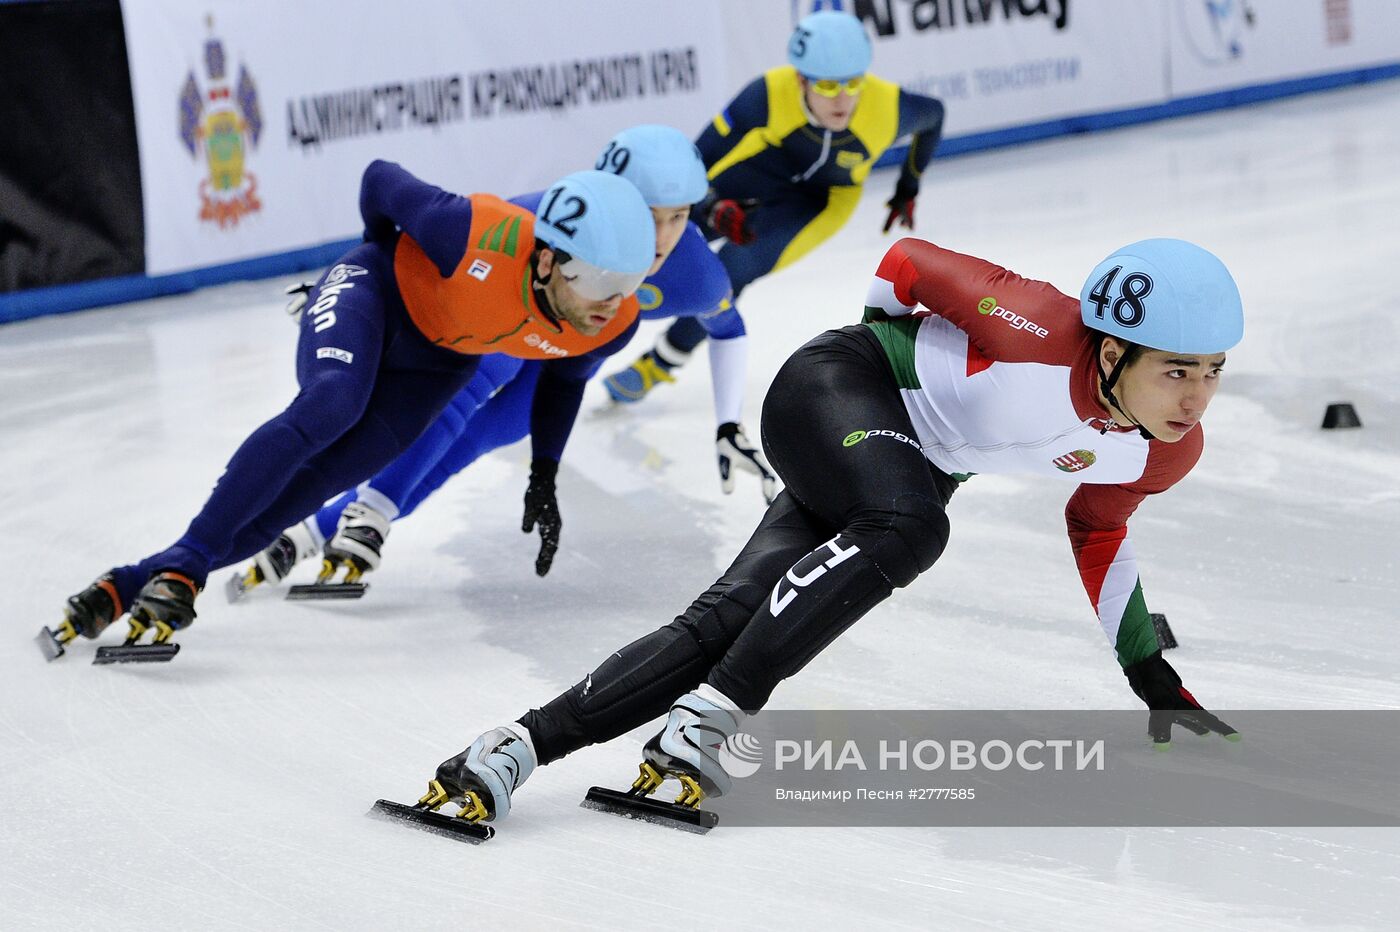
(647, 809)
(49, 643)
(234, 588)
(137, 653)
(436, 822)
(1165, 638)
(343, 590)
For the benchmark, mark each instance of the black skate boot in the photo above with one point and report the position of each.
(165, 604)
(356, 546)
(357, 543)
(689, 748)
(480, 780)
(273, 564)
(88, 613)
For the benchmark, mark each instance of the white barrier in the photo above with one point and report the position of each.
(997, 64)
(1222, 46)
(255, 118)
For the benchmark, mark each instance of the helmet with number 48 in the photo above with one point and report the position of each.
(1164, 294)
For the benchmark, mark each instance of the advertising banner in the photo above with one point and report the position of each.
(1001, 63)
(255, 118)
(1217, 46)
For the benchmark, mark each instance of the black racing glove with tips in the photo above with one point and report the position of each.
(542, 508)
(901, 205)
(1158, 685)
(730, 219)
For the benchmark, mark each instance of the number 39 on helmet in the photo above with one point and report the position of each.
(1164, 294)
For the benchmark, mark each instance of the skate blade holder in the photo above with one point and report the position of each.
(312, 591)
(161, 650)
(52, 643)
(637, 803)
(240, 584)
(438, 823)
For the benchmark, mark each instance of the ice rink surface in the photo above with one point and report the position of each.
(227, 790)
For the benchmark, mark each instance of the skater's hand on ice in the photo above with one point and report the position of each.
(901, 205)
(730, 219)
(735, 450)
(1158, 685)
(542, 508)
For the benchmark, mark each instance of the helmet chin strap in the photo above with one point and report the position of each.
(1106, 383)
(537, 287)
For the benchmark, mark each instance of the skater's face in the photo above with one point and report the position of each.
(586, 316)
(833, 113)
(670, 224)
(1165, 392)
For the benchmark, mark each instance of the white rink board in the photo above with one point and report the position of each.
(592, 76)
(1221, 46)
(1067, 58)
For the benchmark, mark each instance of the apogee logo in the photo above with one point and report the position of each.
(741, 755)
(988, 307)
(856, 436)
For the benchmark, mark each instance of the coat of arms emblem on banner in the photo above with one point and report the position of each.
(222, 121)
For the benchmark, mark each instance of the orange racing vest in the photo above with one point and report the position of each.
(487, 304)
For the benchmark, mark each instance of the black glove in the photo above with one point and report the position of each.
(1158, 685)
(730, 219)
(734, 449)
(542, 506)
(902, 204)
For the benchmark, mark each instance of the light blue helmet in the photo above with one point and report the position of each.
(661, 161)
(829, 44)
(604, 225)
(1165, 294)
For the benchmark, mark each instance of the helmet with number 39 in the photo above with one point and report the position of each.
(603, 228)
(661, 161)
(1164, 294)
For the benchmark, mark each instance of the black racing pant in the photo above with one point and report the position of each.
(861, 515)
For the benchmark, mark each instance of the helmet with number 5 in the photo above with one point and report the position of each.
(829, 44)
(1164, 294)
(661, 161)
(605, 229)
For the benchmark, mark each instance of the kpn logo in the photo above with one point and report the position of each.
(741, 755)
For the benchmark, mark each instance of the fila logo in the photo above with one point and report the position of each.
(539, 342)
(331, 352)
(807, 571)
(479, 270)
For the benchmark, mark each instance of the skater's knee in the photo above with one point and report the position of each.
(716, 619)
(904, 539)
